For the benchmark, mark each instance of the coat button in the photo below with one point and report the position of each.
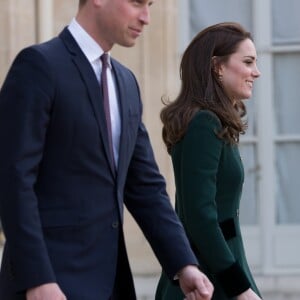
(115, 225)
(237, 212)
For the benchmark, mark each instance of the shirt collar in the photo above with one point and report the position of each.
(87, 44)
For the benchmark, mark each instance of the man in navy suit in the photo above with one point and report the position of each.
(62, 189)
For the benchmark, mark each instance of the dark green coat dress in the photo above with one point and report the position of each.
(209, 177)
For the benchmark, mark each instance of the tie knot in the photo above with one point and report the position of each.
(104, 59)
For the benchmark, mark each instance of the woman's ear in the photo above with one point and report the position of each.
(215, 64)
(217, 67)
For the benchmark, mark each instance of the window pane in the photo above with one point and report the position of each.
(207, 12)
(287, 185)
(285, 21)
(248, 208)
(286, 92)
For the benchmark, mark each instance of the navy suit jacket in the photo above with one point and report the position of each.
(61, 202)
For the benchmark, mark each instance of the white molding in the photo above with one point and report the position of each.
(183, 24)
(248, 140)
(280, 49)
(287, 138)
(265, 124)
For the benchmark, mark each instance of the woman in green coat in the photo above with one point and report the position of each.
(201, 130)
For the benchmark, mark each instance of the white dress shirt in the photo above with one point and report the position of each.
(93, 51)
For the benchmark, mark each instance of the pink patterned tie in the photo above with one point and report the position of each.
(105, 66)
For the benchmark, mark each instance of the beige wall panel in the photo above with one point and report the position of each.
(63, 12)
(17, 30)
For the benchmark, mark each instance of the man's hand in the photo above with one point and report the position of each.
(49, 291)
(194, 284)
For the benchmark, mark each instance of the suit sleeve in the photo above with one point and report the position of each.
(201, 153)
(25, 105)
(147, 200)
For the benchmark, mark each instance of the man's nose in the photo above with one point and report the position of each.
(145, 15)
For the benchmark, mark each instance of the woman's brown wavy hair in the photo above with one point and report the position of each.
(201, 87)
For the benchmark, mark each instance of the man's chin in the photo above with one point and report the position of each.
(128, 44)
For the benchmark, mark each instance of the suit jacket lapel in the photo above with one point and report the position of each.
(88, 76)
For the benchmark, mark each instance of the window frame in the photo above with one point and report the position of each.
(271, 248)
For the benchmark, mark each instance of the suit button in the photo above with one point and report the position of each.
(115, 225)
(237, 212)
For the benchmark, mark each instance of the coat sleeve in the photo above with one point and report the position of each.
(200, 158)
(147, 200)
(25, 105)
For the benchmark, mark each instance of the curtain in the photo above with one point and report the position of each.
(287, 113)
(285, 23)
(207, 12)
